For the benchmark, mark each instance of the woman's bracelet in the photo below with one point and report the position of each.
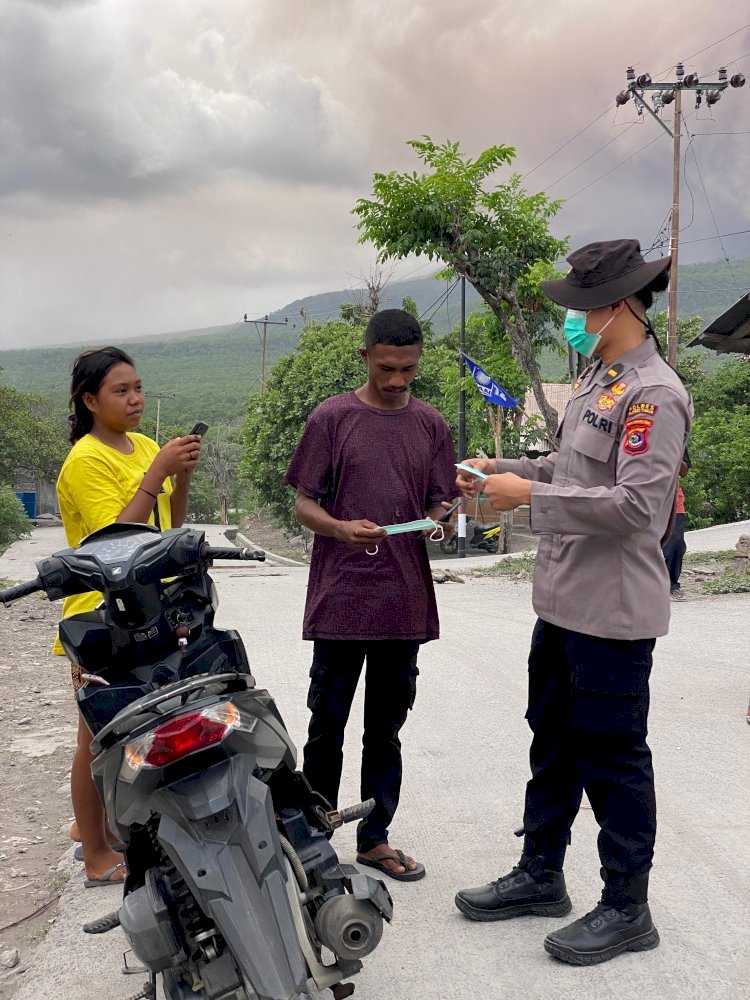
(144, 490)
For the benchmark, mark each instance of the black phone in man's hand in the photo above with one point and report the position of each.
(200, 429)
(447, 515)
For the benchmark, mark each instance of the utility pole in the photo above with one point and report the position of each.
(266, 323)
(664, 94)
(158, 396)
(462, 417)
(674, 237)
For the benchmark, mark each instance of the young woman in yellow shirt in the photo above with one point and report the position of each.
(112, 474)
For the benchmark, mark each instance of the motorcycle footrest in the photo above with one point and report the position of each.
(103, 924)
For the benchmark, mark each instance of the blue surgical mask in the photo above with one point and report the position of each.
(470, 469)
(575, 333)
(421, 525)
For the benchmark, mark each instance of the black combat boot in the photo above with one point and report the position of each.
(529, 889)
(620, 922)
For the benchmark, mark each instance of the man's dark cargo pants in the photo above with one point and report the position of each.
(588, 711)
(390, 689)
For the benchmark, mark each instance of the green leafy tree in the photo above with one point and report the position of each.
(724, 389)
(204, 503)
(221, 455)
(488, 345)
(216, 485)
(690, 362)
(13, 521)
(33, 441)
(499, 239)
(717, 488)
(326, 363)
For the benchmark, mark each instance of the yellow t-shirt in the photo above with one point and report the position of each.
(95, 485)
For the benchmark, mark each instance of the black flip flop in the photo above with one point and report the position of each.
(409, 875)
(108, 878)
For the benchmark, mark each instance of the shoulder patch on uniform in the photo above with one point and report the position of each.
(605, 402)
(637, 409)
(619, 389)
(635, 441)
(612, 373)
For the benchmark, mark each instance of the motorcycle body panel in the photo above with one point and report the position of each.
(231, 859)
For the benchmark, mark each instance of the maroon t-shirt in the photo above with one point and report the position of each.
(386, 466)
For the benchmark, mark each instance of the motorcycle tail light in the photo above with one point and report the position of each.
(179, 737)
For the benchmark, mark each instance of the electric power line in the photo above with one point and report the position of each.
(568, 141)
(443, 297)
(615, 167)
(711, 211)
(595, 153)
(730, 35)
(661, 235)
(687, 182)
(719, 236)
(607, 110)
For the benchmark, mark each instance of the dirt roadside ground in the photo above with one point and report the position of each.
(38, 718)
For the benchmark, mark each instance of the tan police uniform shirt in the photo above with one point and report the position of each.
(603, 502)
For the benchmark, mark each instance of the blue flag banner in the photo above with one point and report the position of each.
(492, 392)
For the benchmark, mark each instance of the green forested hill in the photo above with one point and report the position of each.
(211, 375)
(212, 372)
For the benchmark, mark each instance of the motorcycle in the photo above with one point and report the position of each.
(478, 539)
(233, 890)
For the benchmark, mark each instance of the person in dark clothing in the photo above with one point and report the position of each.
(376, 456)
(601, 505)
(675, 549)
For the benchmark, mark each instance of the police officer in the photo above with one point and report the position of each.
(601, 505)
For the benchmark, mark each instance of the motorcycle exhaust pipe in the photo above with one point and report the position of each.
(351, 928)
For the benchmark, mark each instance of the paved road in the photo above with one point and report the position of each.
(466, 762)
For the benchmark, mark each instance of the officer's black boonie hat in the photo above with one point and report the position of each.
(603, 273)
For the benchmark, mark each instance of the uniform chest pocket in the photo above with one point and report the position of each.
(593, 442)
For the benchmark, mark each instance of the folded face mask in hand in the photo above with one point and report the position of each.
(397, 529)
(470, 469)
(423, 524)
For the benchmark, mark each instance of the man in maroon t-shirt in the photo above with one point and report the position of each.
(371, 457)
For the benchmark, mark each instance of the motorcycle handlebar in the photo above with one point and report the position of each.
(20, 590)
(209, 552)
(230, 552)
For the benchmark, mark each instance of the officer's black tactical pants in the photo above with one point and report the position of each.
(390, 689)
(588, 710)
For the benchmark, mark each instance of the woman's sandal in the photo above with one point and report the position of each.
(107, 878)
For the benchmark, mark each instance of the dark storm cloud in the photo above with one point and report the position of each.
(531, 75)
(170, 165)
(106, 112)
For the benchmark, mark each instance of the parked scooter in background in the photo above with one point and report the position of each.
(475, 539)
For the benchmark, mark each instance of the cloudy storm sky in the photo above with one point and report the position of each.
(171, 165)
